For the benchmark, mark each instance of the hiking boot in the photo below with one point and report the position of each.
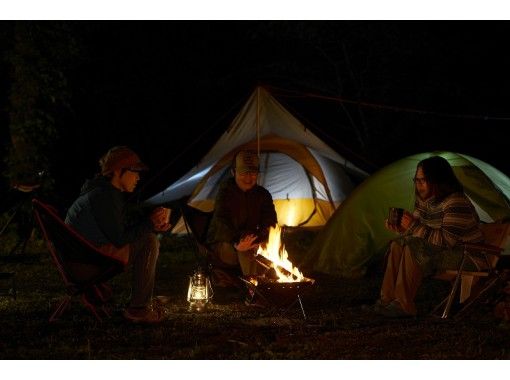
(144, 315)
(160, 304)
(161, 300)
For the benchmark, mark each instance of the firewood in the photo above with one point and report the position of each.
(266, 263)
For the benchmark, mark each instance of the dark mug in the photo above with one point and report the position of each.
(395, 216)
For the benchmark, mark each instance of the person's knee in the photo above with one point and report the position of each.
(396, 249)
(395, 245)
(225, 253)
(149, 239)
(149, 243)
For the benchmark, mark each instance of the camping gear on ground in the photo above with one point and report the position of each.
(306, 178)
(356, 237)
(200, 291)
(82, 266)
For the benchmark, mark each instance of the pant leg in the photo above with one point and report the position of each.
(249, 266)
(394, 256)
(225, 254)
(229, 257)
(144, 255)
(409, 279)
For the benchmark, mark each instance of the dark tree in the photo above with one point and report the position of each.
(37, 58)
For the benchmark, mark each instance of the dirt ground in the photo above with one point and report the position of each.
(337, 326)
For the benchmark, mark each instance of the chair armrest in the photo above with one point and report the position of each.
(483, 256)
(482, 248)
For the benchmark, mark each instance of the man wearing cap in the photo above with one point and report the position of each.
(243, 213)
(100, 215)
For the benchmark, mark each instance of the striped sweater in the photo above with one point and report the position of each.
(446, 223)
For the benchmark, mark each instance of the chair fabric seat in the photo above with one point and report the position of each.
(81, 265)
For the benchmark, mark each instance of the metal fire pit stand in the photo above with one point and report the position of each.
(280, 296)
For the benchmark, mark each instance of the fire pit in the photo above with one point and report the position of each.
(281, 294)
(282, 285)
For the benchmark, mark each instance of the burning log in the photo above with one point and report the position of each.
(271, 267)
(273, 255)
(283, 284)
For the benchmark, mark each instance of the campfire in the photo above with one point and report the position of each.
(282, 283)
(275, 256)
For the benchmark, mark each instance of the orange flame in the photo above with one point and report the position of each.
(276, 253)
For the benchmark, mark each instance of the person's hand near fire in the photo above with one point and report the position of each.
(247, 243)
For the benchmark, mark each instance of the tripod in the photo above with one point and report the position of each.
(18, 207)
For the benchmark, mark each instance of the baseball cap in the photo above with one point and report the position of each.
(121, 157)
(247, 161)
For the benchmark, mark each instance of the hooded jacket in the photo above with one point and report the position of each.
(100, 215)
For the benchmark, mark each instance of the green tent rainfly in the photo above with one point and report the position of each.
(355, 235)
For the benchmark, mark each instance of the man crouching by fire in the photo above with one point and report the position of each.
(243, 214)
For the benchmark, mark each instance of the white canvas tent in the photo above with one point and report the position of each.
(307, 179)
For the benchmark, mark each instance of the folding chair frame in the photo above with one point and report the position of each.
(491, 274)
(46, 214)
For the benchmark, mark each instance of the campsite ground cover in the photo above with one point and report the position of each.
(337, 326)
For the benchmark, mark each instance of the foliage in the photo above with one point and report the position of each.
(39, 93)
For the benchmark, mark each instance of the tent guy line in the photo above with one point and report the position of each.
(285, 93)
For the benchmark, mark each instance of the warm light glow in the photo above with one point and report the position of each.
(290, 216)
(199, 291)
(276, 252)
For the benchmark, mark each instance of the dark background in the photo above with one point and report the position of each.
(168, 89)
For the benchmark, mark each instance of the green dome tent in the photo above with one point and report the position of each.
(355, 234)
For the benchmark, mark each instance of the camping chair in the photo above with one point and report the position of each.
(475, 284)
(197, 223)
(82, 266)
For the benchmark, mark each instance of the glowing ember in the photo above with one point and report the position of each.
(276, 253)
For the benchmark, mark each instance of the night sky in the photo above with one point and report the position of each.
(159, 85)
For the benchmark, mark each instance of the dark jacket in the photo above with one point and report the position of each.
(100, 215)
(237, 213)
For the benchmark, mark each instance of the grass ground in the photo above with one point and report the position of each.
(337, 326)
